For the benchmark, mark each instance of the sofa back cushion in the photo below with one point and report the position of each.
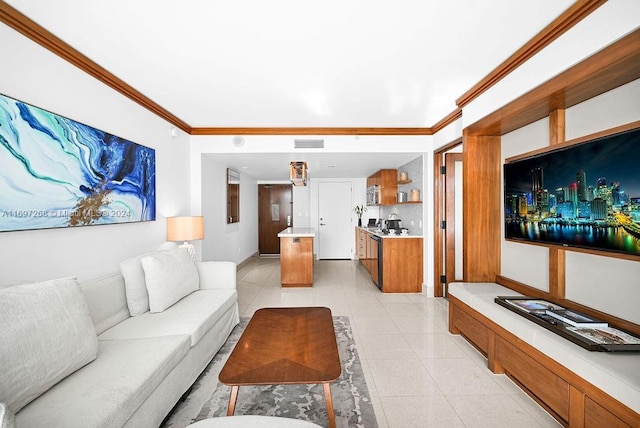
(46, 333)
(107, 301)
(135, 287)
(170, 276)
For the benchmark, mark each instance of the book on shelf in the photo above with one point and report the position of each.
(606, 335)
(531, 305)
(576, 319)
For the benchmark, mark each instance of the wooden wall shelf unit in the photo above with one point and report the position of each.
(570, 398)
(613, 66)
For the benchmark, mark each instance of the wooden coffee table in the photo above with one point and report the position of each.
(285, 346)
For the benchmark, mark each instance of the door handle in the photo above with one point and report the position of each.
(322, 224)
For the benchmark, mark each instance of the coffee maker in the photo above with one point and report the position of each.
(393, 224)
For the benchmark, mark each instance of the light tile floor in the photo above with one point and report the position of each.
(418, 374)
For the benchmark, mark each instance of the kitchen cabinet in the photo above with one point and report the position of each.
(361, 246)
(402, 261)
(387, 180)
(402, 265)
(296, 257)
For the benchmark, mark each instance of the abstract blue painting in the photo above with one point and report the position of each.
(56, 172)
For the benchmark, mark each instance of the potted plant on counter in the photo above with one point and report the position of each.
(359, 210)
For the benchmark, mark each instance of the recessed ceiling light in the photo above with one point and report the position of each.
(245, 167)
(331, 166)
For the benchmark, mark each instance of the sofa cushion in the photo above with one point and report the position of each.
(46, 333)
(170, 276)
(135, 286)
(109, 390)
(194, 315)
(107, 301)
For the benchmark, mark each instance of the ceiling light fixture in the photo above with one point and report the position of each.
(298, 173)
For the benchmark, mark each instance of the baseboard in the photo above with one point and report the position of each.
(246, 261)
(429, 290)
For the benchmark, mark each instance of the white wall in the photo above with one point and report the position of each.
(605, 25)
(34, 75)
(605, 283)
(233, 242)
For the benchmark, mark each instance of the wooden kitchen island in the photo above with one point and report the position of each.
(296, 256)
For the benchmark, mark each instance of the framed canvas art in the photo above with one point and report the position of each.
(56, 172)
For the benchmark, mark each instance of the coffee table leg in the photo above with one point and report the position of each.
(329, 400)
(233, 397)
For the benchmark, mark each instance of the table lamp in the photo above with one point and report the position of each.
(186, 229)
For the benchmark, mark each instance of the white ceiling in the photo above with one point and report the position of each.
(292, 63)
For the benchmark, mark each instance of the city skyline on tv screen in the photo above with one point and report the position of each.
(586, 195)
(615, 158)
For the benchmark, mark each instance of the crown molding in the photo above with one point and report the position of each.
(310, 131)
(574, 14)
(447, 120)
(611, 67)
(34, 31)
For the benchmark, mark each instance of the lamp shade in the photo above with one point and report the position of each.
(185, 228)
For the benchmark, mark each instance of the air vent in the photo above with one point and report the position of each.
(308, 143)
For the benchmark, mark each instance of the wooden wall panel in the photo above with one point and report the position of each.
(481, 207)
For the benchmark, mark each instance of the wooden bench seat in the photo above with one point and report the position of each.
(578, 387)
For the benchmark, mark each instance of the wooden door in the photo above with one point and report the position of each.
(274, 215)
(453, 219)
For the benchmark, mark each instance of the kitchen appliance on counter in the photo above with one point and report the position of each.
(376, 260)
(394, 225)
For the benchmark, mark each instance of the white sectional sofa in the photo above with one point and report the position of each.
(579, 387)
(118, 351)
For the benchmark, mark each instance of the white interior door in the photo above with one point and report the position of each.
(335, 231)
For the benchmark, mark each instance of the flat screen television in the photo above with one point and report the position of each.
(583, 195)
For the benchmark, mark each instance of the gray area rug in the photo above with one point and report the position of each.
(351, 400)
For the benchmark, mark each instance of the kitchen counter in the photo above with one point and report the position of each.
(395, 262)
(296, 256)
(297, 232)
(378, 232)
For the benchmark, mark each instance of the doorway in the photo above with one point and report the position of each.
(448, 243)
(335, 230)
(274, 215)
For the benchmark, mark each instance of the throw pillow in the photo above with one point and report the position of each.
(46, 334)
(170, 276)
(134, 284)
